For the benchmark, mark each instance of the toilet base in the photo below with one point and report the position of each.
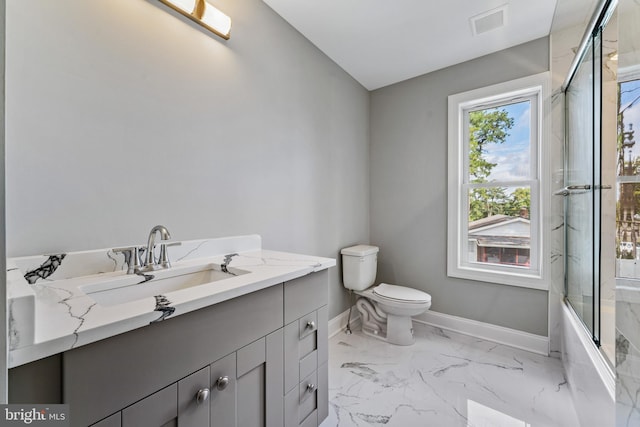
(394, 329)
(399, 330)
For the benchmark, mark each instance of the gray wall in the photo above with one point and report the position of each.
(4, 346)
(121, 114)
(409, 189)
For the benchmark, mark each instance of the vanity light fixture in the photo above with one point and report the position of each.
(204, 14)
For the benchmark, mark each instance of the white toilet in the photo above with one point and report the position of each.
(385, 309)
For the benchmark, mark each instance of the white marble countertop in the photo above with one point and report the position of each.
(65, 317)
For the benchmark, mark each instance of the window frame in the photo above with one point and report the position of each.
(536, 89)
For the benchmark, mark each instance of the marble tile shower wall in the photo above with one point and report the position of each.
(627, 356)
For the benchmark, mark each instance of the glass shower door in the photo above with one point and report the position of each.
(582, 204)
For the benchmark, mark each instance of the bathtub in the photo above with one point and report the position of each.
(590, 378)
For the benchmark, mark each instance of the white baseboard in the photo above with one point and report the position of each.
(499, 334)
(339, 323)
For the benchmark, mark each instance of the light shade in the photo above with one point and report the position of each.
(204, 14)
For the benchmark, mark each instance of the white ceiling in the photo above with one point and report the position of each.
(381, 42)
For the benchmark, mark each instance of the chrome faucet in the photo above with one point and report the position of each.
(150, 263)
(151, 243)
(133, 254)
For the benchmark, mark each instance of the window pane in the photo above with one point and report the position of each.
(492, 255)
(628, 177)
(508, 256)
(628, 226)
(499, 227)
(500, 143)
(523, 257)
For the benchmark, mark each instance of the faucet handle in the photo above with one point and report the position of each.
(163, 260)
(131, 257)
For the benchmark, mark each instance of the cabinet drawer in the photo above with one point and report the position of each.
(308, 364)
(308, 396)
(305, 294)
(307, 324)
(301, 403)
(307, 345)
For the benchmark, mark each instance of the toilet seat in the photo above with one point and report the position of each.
(401, 294)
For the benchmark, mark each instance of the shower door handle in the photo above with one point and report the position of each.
(569, 189)
(579, 189)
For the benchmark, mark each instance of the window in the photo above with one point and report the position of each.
(495, 175)
(628, 178)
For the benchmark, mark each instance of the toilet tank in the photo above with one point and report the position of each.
(359, 266)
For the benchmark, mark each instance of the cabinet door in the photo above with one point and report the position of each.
(247, 385)
(250, 371)
(193, 399)
(223, 392)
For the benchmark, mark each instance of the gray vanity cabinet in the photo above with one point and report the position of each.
(262, 357)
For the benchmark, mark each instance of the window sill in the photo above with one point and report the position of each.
(530, 280)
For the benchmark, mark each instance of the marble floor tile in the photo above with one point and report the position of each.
(444, 380)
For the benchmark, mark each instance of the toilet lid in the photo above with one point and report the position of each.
(401, 293)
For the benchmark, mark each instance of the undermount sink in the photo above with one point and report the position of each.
(133, 286)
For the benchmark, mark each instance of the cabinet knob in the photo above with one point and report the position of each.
(311, 388)
(311, 324)
(222, 383)
(202, 395)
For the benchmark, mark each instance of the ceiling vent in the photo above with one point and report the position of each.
(489, 20)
